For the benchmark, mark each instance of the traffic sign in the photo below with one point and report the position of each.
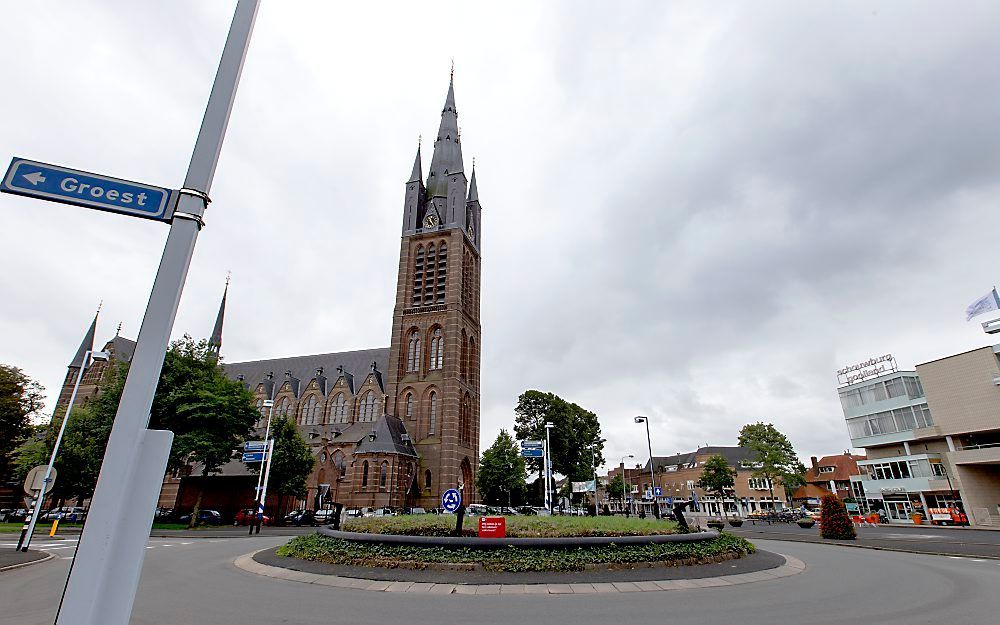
(253, 456)
(451, 500)
(255, 446)
(657, 491)
(530, 452)
(35, 479)
(531, 444)
(80, 188)
(648, 494)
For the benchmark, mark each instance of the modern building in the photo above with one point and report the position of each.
(829, 475)
(931, 436)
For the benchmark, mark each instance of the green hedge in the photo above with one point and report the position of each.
(517, 526)
(512, 559)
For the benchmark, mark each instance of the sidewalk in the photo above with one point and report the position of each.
(11, 558)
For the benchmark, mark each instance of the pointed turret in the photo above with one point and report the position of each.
(87, 345)
(447, 157)
(473, 187)
(215, 343)
(473, 210)
(418, 171)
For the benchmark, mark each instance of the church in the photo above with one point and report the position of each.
(388, 426)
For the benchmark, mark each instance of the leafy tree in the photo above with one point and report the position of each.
(774, 455)
(835, 523)
(502, 476)
(292, 462)
(21, 400)
(617, 487)
(575, 430)
(717, 477)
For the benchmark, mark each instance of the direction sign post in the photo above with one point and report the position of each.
(105, 576)
(255, 446)
(253, 456)
(71, 186)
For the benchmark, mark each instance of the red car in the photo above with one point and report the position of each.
(246, 516)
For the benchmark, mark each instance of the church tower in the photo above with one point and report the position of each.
(433, 371)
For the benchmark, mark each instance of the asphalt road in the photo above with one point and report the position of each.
(194, 581)
(921, 539)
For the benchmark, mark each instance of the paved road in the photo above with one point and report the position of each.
(922, 539)
(193, 581)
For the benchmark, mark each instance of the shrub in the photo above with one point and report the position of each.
(835, 523)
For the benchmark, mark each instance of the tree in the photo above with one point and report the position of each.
(575, 430)
(835, 523)
(717, 477)
(774, 455)
(21, 399)
(291, 464)
(502, 478)
(617, 488)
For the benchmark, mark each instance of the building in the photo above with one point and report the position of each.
(931, 436)
(389, 426)
(829, 475)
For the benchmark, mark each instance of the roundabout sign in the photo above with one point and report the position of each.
(451, 500)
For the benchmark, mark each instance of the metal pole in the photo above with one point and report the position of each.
(101, 587)
(652, 477)
(548, 466)
(593, 455)
(267, 471)
(624, 494)
(258, 502)
(26, 538)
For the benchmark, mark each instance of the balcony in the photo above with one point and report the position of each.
(976, 454)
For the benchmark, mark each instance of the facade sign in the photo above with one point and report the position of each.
(868, 369)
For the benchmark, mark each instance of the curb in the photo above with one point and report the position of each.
(877, 548)
(792, 566)
(524, 543)
(11, 567)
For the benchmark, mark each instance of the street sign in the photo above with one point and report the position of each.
(531, 452)
(531, 444)
(657, 491)
(35, 479)
(80, 188)
(255, 446)
(253, 456)
(451, 500)
(648, 494)
(670, 501)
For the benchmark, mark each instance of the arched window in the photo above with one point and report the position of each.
(437, 349)
(322, 459)
(430, 276)
(309, 411)
(285, 407)
(413, 352)
(473, 361)
(262, 414)
(338, 412)
(427, 479)
(465, 421)
(463, 368)
(418, 277)
(383, 474)
(364, 475)
(369, 406)
(409, 405)
(340, 464)
(432, 424)
(442, 268)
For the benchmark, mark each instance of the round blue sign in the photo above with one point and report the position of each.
(451, 500)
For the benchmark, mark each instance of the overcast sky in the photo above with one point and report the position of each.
(695, 212)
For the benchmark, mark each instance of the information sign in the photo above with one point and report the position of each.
(492, 527)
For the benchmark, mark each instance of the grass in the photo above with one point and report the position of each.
(510, 559)
(517, 526)
(40, 527)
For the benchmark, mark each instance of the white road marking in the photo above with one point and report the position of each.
(147, 546)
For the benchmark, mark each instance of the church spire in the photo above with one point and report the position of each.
(418, 170)
(473, 187)
(87, 344)
(447, 157)
(215, 343)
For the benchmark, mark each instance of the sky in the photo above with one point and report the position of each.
(693, 212)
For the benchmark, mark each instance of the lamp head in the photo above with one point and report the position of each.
(640, 419)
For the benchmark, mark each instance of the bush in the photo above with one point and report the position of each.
(517, 526)
(835, 523)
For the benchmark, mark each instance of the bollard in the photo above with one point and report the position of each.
(55, 526)
(338, 510)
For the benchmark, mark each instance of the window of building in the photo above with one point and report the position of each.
(322, 459)
(364, 475)
(383, 474)
(913, 388)
(432, 423)
(338, 412)
(369, 406)
(340, 463)
(427, 479)
(442, 269)
(936, 468)
(309, 411)
(895, 388)
(418, 277)
(262, 412)
(465, 421)
(437, 349)
(285, 407)
(409, 405)
(464, 357)
(859, 490)
(827, 469)
(759, 483)
(413, 352)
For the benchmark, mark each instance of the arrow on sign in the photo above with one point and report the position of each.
(35, 177)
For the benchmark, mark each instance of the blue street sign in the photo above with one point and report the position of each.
(530, 452)
(71, 186)
(255, 446)
(657, 491)
(670, 501)
(531, 444)
(253, 456)
(451, 500)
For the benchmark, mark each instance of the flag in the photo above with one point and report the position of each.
(984, 304)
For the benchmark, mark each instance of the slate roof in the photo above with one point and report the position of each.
(733, 455)
(123, 348)
(86, 345)
(304, 368)
(389, 433)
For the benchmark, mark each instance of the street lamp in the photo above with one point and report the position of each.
(593, 454)
(652, 478)
(25, 540)
(261, 490)
(548, 467)
(624, 495)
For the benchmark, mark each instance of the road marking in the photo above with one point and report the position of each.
(185, 543)
(147, 546)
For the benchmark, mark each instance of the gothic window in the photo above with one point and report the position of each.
(437, 349)
(465, 421)
(383, 474)
(338, 412)
(418, 277)
(310, 411)
(322, 459)
(467, 287)
(430, 275)
(413, 352)
(464, 358)
(338, 461)
(409, 405)
(427, 479)
(433, 414)
(442, 268)
(369, 405)
(364, 475)
(285, 407)
(473, 361)
(262, 412)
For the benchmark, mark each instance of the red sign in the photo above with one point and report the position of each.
(492, 527)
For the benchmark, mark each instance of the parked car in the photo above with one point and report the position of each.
(414, 511)
(66, 514)
(355, 513)
(324, 517)
(300, 517)
(205, 517)
(246, 516)
(164, 515)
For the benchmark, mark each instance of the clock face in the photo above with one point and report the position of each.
(430, 220)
